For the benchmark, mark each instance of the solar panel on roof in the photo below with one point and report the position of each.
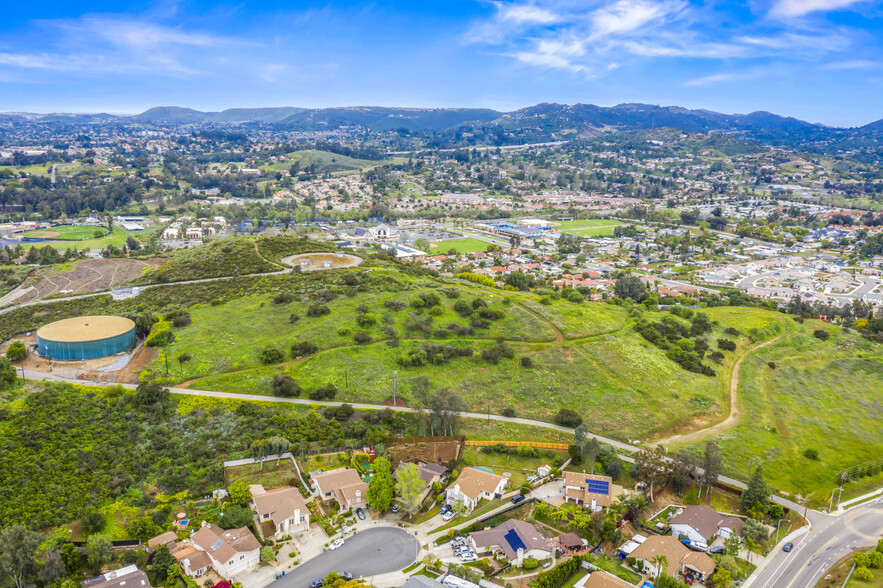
(514, 540)
(217, 544)
(598, 486)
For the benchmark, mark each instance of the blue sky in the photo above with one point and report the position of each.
(820, 60)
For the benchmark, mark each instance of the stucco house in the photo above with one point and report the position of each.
(472, 485)
(229, 551)
(701, 523)
(344, 485)
(589, 490)
(680, 559)
(517, 540)
(282, 510)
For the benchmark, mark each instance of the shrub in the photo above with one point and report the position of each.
(326, 392)
(726, 345)
(293, 318)
(302, 348)
(530, 563)
(463, 308)
(283, 298)
(545, 301)
(182, 320)
(16, 351)
(395, 304)
(362, 338)
(508, 412)
(343, 412)
(820, 334)
(497, 352)
(863, 574)
(317, 309)
(271, 355)
(477, 278)
(285, 386)
(772, 364)
(367, 319)
(526, 361)
(691, 496)
(567, 417)
(812, 454)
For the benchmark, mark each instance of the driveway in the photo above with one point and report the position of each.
(365, 554)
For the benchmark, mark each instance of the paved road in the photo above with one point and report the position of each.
(867, 285)
(365, 554)
(831, 539)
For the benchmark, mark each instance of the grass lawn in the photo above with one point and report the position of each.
(614, 565)
(822, 395)
(66, 232)
(322, 461)
(482, 509)
(427, 515)
(272, 476)
(485, 430)
(459, 245)
(514, 464)
(576, 577)
(592, 232)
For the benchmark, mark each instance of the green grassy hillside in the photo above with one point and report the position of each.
(325, 161)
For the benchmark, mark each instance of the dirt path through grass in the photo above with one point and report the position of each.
(735, 414)
(559, 335)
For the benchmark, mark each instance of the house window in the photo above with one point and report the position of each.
(241, 557)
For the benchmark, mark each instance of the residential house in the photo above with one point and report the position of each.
(169, 538)
(194, 233)
(701, 523)
(430, 473)
(680, 559)
(472, 485)
(280, 511)
(127, 577)
(589, 490)
(343, 485)
(229, 552)
(193, 562)
(170, 234)
(517, 540)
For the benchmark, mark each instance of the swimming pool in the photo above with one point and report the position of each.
(484, 469)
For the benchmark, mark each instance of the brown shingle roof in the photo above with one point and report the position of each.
(706, 520)
(473, 482)
(164, 539)
(604, 580)
(528, 534)
(699, 562)
(223, 545)
(330, 481)
(279, 503)
(665, 545)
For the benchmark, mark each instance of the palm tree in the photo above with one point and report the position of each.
(660, 562)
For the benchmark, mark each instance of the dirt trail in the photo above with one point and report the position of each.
(735, 415)
(559, 336)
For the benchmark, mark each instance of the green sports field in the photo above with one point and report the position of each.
(460, 245)
(76, 232)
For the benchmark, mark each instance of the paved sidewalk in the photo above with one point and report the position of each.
(841, 508)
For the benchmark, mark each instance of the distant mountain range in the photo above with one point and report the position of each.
(542, 121)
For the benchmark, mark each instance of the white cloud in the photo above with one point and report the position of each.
(854, 64)
(625, 16)
(792, 8)
(526, 13)
(714, 79)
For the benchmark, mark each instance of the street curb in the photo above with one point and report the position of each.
(769, 558)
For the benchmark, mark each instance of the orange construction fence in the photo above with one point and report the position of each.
(517, 443)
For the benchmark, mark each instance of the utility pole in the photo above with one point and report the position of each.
(395, 382)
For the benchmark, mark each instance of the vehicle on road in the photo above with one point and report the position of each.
(317, 583)
(335, 544)
(360, 513)
(788, 547)
(517, 498)
(345, 575)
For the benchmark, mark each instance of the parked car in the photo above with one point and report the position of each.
(360, 513)
(517, 498)
(336, 544)
(717, 550)
(468, 556)
(448, 515)
(788, 547)
(394, 508)
(445, 509)
(317, 583)
(345, 575)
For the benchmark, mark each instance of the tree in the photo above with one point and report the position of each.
(580, 436)
(7, 374)
(445, 409)
(143, 528)
(591, 451)
(239, 493)
(53, 568)
(235, 517)
(711, 465)
(630, 287)
(98, 552)
(93, 521)
(150, 392)
(267, 555)
(163, 562)
(18, 547)
(757, 493)
(755, 531)
(285, 386)
(70, 555)
(721, 578)
(567, 417)
(380, 490)
(732, 545)
(652, 468)
(660, 562)
(16, 351)
(409, 487)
